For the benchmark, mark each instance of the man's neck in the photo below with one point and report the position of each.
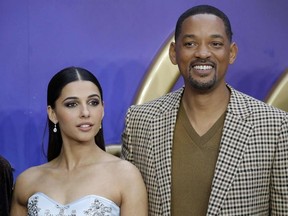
(204, 109)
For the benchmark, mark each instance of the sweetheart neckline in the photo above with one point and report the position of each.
(74, 201)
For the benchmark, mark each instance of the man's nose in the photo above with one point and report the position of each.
(203, 51)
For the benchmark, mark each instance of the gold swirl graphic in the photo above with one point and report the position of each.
(278, 95)
(160, 78)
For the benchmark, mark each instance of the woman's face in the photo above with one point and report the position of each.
(79, 111)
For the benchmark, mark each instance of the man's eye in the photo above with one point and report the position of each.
(189, 44)
(217, 44)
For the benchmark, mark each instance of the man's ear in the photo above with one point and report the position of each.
(52, 115)
(233, 52)
(172, 53)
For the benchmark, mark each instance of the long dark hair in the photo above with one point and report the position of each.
(55, 86)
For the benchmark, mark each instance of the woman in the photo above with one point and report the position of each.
(6, 186)
(80, 178)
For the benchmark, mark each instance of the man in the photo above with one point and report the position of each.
(207, 149)
(6, 186)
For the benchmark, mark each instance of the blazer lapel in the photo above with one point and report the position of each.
(162, 140)
(236, 132)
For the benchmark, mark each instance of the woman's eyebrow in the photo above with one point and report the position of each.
(75, 98)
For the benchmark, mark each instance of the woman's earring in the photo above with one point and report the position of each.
(55, 129)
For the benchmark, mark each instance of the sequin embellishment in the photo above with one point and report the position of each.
(92, 205)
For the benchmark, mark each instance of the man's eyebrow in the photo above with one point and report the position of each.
(194, 36)
(189, 36)
(217, 36)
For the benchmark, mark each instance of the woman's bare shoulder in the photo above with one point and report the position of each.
(124, 169)
(31, 175)
(26, 182)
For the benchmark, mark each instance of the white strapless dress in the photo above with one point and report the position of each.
(40, 204)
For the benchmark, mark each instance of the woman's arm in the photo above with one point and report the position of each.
(134, 195)
(20, 196)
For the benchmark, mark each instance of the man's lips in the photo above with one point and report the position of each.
(202, 68)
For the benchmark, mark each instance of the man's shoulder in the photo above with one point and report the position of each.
(242, 100)
(167, 101)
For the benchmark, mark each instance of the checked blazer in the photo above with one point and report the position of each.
(251, 174)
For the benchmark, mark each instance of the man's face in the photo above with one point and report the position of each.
(203, 52)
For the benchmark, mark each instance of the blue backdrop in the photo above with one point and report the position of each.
(117, 40)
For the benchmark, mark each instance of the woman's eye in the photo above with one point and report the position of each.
(93, 102)
(71, 104)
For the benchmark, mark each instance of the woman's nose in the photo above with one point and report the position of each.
(85, 111)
